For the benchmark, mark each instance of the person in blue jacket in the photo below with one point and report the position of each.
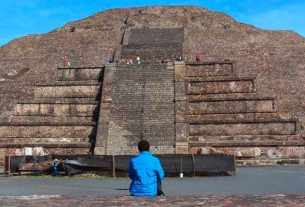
(145, 171)
(55, 167)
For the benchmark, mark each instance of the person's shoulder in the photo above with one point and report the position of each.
(134, 157)
(155, 157)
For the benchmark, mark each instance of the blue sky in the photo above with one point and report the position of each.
(23, 17)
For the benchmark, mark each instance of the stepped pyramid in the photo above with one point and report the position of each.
(245, 97)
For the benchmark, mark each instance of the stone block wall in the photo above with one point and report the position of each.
(61, 119)
(224, 113)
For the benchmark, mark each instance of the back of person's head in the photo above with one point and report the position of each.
(143, 145)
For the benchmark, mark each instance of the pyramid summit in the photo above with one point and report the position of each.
(244, 97)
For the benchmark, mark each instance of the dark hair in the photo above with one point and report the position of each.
(143, 145)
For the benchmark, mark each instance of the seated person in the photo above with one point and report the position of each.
(146, 173)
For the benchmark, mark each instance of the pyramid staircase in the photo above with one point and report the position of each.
(61, 119)
(137, 104)
(224, 114)
(152, 45)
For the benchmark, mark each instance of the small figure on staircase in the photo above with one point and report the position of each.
(138, 60)
(197, 58)
(66, 63)
(179, 58)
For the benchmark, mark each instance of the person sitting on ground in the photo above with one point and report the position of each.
(146, 173)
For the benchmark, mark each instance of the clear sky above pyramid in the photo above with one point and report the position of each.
(23, 17)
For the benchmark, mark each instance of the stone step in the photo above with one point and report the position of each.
(80, 74)
(246, 141)
(230, 96)
(68, 90)
(220, 85)
(205, 69)
(79, 109)
(42, 140)
(218, 79)
(145, 67)
(230, 117)
(60, 101)
(54, 118)
(280, 127)
(47, 130)
(257, 153)
(71, 83)
(47, 145)
(153, 52)
(217, 62)
(70, 123)
(219, 106)
(269, 162)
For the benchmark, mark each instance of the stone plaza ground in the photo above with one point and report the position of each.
(213, 200)
(259, 186)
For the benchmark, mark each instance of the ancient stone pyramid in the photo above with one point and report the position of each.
(245, 96)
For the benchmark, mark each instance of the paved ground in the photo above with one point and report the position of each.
(225, 201)
(269, 186)
(248, 181)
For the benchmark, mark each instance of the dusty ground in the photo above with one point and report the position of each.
(269, 186)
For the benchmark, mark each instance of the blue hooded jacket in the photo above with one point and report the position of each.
(144, 170)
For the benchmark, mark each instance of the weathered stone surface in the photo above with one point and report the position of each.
(55, 109)
(142, 107)
(221, 86)
(243, 129)
(79, 74)
(210, 69)
(164, 44)
(45, 131)
(231, 106)
(52, 119)
(74, 91)
(231, 117)
(41, 151)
